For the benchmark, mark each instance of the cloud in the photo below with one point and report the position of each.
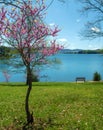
(51, 24)
(78, 20)
(95, 29)
(92, 46)
(62, 40)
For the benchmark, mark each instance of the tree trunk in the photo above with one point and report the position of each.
(34, 78)
(27, 79)
(28, 114)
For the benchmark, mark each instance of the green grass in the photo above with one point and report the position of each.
(56, 106)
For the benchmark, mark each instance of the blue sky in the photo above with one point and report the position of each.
(71, 22)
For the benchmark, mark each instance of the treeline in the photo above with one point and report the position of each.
(98, 51)
(80, 51)
(5, 51)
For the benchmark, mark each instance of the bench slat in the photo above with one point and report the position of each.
(80, 79)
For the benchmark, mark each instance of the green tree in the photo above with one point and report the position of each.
(97, 76)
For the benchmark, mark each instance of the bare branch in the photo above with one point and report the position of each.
(94, 28)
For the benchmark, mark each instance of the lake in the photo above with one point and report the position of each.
(71, 66)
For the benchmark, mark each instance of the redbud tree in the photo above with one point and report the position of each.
(26, 31)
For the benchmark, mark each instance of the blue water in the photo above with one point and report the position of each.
(71, 66)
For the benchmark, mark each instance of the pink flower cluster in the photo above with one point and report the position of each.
(27, 32)
(52, 49)
(6, 75)
(2, 18)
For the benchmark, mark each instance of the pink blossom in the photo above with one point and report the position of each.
(29, 33)
(45, 51)
(23, 31)
(55, 31)
(7, 76)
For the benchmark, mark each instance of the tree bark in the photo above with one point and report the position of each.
(28, 114)
(27, 79)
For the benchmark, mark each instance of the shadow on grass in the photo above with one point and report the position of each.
(14, 84)
(23, 84)
(39, 124)
(34, 84)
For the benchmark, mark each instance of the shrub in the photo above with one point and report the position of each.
(97, 76)
(35, 78)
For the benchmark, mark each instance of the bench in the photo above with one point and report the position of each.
(80, 79)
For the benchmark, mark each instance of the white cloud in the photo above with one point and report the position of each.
(78, 20)
(92, 46)
(62, 40)
(95, 29)
(51, 24)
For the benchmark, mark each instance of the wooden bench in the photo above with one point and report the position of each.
(80, 79)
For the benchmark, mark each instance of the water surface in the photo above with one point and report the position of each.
(71, 66)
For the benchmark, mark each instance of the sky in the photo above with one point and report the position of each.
(69, 19)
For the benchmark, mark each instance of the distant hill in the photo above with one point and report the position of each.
(81, 51)
(4, 51)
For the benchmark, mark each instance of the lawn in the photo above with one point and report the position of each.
(56, 106)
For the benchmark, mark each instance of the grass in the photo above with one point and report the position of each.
(56, 106)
